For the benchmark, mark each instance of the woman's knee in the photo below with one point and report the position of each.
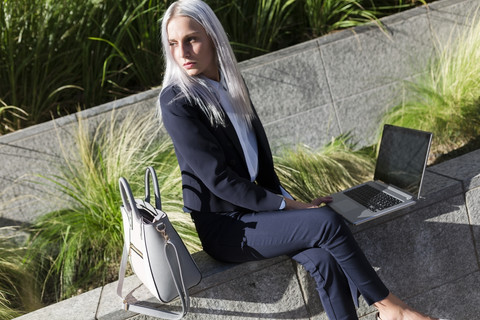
(314, 259)
(321, 265)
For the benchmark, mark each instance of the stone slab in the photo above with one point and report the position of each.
(213, 274)
(270, 293)
(420, 251)
(455, 300)
(313, 128)
(288, 85)
(82, 307)
(465, 168)
(360, 114)
(472, 199)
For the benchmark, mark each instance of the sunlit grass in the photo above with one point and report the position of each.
(17, 285)
(9, 117)
(308, 174)
(446, 98)
(79, 246)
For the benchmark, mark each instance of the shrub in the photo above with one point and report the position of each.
(79, 246)
(446, 98)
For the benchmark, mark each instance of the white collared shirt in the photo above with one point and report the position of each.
(245, 133)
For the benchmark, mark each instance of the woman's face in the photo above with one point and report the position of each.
(192, 48)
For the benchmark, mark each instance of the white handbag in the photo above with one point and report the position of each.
(157, 254)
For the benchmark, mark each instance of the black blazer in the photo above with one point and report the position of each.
(214, 172)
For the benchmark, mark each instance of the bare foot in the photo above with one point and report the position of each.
(392, 308)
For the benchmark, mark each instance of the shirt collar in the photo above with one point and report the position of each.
(218, 84)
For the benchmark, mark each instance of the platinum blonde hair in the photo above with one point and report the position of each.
(195, 88)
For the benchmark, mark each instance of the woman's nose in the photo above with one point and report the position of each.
(185, 51)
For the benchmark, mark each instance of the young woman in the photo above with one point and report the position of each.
(230, 187)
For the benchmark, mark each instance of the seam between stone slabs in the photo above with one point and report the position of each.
(97, 309)
(472, 232)
(330, 93)
(464, 189)
(424, 292)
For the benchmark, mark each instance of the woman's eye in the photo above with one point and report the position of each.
(172, 44)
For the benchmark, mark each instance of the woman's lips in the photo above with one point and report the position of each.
(188, 65)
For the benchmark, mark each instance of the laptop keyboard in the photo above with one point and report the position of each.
(371, 198)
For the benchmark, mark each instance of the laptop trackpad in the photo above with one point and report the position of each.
(346, 205)
(351, 210)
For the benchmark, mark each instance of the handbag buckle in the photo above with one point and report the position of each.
(162, 228)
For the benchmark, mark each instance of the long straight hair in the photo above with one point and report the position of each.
(196, 88)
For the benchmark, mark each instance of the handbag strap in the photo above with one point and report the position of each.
(178, 280)
(150, 172)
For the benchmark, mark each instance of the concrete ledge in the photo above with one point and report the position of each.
(426, 254)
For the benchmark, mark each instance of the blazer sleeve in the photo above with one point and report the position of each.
(199, 150)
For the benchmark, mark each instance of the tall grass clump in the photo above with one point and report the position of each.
(55, 55)
(17, 286)
(446, 98)
(308, 174)
(79, 247)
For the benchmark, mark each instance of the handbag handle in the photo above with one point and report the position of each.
(150, 172)
(128, 200)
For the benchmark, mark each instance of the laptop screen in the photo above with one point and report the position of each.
(402, 157)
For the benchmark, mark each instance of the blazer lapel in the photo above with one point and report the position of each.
(264, 151)
(232, 135)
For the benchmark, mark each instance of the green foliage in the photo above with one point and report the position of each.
(79, 247)
(51, 59)
(308, 174)
(446, 98)
(9, 116)
(56, 55)
(17, 286)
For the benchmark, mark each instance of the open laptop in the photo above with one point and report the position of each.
(397, 181)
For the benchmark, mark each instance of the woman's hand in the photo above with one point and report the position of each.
(317, 202)
(292, 204)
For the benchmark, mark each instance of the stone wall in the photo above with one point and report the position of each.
(305, 94)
